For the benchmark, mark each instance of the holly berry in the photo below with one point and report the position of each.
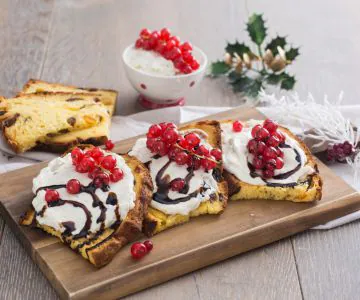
(138, 250)
(192, 139)
(237, 126)
(109, 145)
(101, 179)
(216, 153)
(76, 155)
(270, 125)
(149, 245)
(87, 164)
(73, 186)
(108, 162)
(177, 184)
(181, 158)
(155, 131)
(51, 195)
(116, 175)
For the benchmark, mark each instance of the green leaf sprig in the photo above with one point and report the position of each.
(249, 72)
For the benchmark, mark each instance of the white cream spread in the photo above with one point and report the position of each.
(59, 172)
(236, 156)
(150, 62)
(200, 179)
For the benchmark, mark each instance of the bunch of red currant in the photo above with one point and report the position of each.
(100, 167)
(164, 139)
(340, 151)
(265, 148)
(170, 48)
(139, 250)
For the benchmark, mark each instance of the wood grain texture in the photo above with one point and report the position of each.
(328, 262)
(253, 224)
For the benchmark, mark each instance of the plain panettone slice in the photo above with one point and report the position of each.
(306, 189)
(32, 119)
(101, 247)
(107, 97)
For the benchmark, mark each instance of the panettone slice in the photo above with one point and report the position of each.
(106, 96)
(31, 120)
(101, 246)
(306, 188)
(157, 219)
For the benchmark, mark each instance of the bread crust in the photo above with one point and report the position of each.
(157, 221)
(308, 191)
(101, 248)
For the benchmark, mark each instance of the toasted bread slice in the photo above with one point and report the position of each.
(107, 97)
(33, 119)
(305, 190)
(100, 248)
(157, 220)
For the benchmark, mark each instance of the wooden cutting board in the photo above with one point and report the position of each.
(244, 225)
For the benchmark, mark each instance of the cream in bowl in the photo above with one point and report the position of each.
(162, 68)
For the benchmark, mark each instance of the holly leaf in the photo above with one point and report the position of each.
(256, 29)
(218, 68)
(276, 42)
(247, 85)
(292, 53)
(287, 82)
(239, 48)
(274, 78)
(234, 76)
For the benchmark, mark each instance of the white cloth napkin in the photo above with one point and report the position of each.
(133, 125)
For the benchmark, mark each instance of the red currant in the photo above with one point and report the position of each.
(173, 151)
(138, 250)
(192, 139)
(96, 153)
(181, 158)
(216, 153)
(280, 136)
(116, 175)
(170, 125)
(269, 153)
(160, 148)
(165, 34)
(183, 143)
(237, 126)
(252, 146)
(272, 141)
(87, 164)
(186, 46)
(109, 145)
(170, 135)
(262, 134)
(202, 150)
(94, 172)
(279, 163)
(186, 70)
(179, 63)
(169, 45)
(187, 56)
(160, 47)
(108, 162)
(260, 147)
(150, 144)
(149, 245)
(194, 162)
(177, 184)
(176, 40)
(139, 43)
(80, 169)
(101, 179)
(270, 125)
(153, 40)
(258, 162)
(51, 195)
(208, 164)
(154, 131)
(270, 164)
(268, 173)
(194, 65)
(255, 130)
(146, 45)
(174, 53)
(145, 33)
(73, 186)
(279, 153)
(76, 155)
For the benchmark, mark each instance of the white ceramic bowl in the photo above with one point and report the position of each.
(158, 91)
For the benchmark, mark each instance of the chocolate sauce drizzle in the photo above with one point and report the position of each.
(89, 189)
(281, 176)
(164, 184)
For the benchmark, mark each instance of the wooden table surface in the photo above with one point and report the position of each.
(81, 41)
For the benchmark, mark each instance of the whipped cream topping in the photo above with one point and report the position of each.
(77, 210)
(200, 179)
(150, 62)
(236, 156)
